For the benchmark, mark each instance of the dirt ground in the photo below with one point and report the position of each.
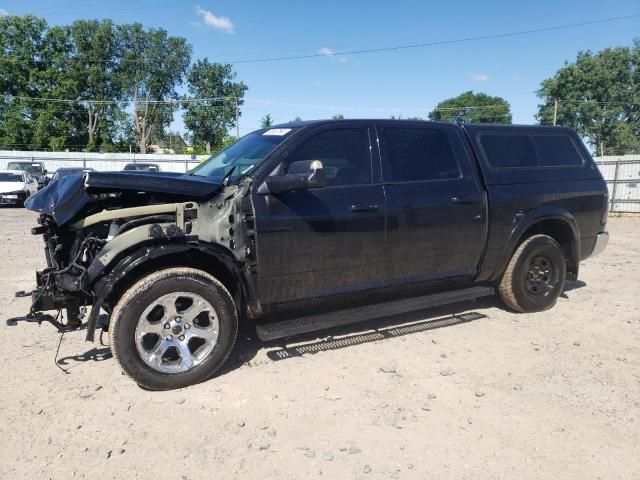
(469, 391)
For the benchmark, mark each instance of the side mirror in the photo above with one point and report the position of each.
(302, 175)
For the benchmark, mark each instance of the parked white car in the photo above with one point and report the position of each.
(16, 186)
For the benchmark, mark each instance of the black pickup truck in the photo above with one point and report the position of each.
(310, 225)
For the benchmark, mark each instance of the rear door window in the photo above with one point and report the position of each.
(344, 152)
(418, 154)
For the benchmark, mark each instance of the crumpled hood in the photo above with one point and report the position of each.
(67, 197)
(6, 187)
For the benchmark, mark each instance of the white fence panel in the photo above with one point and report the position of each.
(102, 161)
(623, 180)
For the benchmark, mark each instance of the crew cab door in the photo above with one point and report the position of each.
(318, 242)
(435, 212)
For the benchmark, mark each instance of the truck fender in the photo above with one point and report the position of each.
(109, 283)
(539, 221)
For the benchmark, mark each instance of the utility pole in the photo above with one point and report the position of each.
(555, 113)
(237, 119)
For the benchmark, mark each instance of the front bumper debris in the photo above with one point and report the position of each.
(39, 317)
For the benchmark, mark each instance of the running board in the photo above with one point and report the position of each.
(296, 326)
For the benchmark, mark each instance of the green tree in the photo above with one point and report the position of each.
(21, 40)
(598, 95)
(470, 107)
(213, 104)
(266, 121)
(153, 65)
(94, 67)
(338, 116)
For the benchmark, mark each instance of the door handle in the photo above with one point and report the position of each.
(361, 207)
(463, 200)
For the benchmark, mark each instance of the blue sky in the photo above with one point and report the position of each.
(407, 82)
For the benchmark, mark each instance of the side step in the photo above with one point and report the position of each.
(296, 326)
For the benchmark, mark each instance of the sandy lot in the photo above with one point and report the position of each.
(469, 391)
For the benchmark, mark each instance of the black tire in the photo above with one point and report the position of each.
(26, 197)
(535, 275)
(129, 311)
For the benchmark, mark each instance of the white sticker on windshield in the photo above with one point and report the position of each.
(278, 132)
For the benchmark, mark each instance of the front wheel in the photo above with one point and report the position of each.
(173, 328)
(535, 275)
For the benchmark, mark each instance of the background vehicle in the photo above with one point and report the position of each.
(16, 186)
(35, 169)
(141, 167)
(66, 171)
(315, 224)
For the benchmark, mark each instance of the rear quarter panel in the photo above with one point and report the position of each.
(520, 197)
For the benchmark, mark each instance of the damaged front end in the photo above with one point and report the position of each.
(87, 221)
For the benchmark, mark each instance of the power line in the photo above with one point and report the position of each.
(121, 9)
(274, 103)
(440, 42)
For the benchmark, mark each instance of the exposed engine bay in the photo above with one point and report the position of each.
(99, 226)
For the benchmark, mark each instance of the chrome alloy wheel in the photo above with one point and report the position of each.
(177, 332)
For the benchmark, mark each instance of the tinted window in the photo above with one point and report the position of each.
(415, 154)
(509, 151)
(344, 152)
(556, 151)
(10, 177)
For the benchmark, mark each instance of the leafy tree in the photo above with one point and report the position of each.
(598, 95)
(213, 103)
(470, 107)
(266, 121)
(21, 40)
(94, 67)
(153, 66)
(338, 116)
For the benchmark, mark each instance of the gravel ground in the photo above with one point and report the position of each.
(469, 391)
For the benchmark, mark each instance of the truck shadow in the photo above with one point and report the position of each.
(384, 328)
(94, 355)
(569, 285)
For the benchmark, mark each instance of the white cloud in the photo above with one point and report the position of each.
(219, 23)
(335, 56)
(3, 12)
(480, 77)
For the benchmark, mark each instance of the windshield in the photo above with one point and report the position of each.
(10, 177)
(243, 156)
(66, 173)
(142, 167)
(27, 167)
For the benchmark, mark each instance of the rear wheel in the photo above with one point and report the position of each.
(535, 275)
(173, 328)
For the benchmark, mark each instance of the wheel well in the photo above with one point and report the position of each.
(193, 258)
(562, 233)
